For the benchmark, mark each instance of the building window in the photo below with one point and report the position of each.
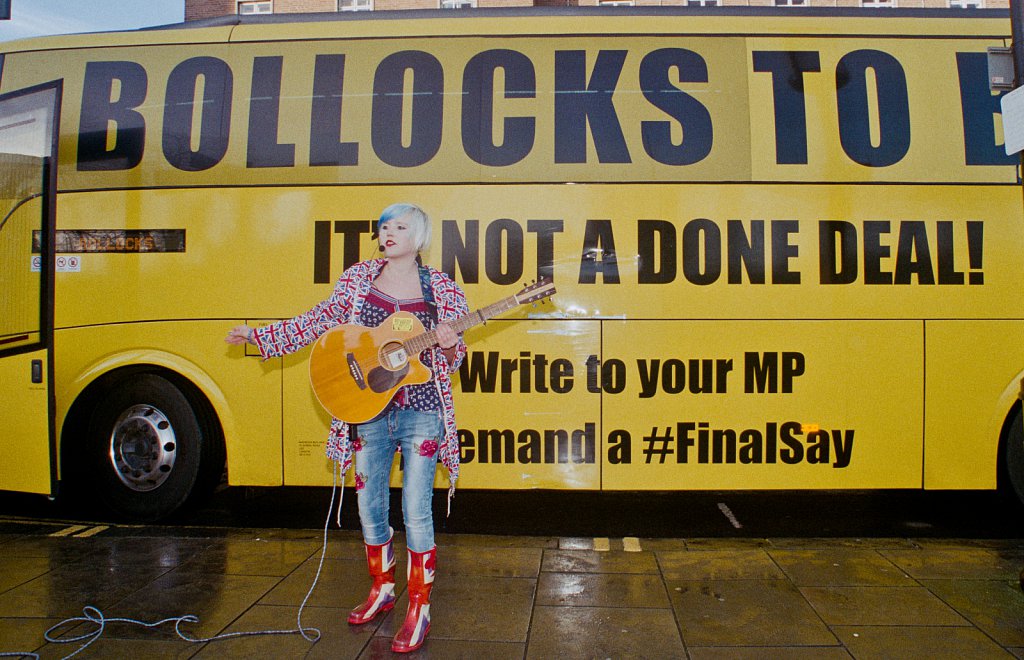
(458, 4)
(616, 3)
(355, 5)
(966, 4)
(875, 4)
(245, 7)
(790, 3)
(701, 3)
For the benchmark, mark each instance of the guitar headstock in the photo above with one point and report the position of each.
(540, 290)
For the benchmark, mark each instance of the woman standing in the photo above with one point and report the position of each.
(420, 420)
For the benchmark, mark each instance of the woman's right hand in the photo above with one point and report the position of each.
(240, 334)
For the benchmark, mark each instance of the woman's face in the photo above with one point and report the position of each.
(397, 237)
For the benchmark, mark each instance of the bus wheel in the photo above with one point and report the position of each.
(148, 450)
(1014, 454)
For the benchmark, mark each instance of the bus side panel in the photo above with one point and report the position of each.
(766, 404)
(529, 404)
(244, 392)
(24, 453)
(972, 380)
(305, 427)
(972, 365)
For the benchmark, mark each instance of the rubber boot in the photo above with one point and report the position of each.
(381, 561)
(417, 619)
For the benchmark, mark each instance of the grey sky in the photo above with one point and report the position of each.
(31, 18)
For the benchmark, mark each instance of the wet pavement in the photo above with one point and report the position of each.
(514, 596)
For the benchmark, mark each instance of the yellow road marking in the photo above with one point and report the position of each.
(92, 532)
(67, 531)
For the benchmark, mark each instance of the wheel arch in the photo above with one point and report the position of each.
(1002, 467)
(205, 398)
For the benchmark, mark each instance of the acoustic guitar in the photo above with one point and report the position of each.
(356, 371)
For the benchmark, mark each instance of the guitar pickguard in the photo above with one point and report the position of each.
(381, 380)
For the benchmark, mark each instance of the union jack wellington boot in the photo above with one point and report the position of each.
(381, 561)
(417, 618)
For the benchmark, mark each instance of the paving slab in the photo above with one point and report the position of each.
(746, 613)
(995, 607)
(868, 606)
(918, 643)
(841, 566)
(215, 599)
(958, 562)
(25, 633)
(588, 561)
(336, 639)
(604, 632)
(601, 590)
(342, 583)
(454, 562)
(64, 591)
(769, 653)
(719, 565)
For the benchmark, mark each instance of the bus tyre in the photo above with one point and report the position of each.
(148, 449)
(1015, 454)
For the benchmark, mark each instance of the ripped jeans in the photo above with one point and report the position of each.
(418, 434)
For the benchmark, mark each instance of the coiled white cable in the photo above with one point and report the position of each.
(94, 616)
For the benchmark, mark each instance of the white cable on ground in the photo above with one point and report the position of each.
(93, 615)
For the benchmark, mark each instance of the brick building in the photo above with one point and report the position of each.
(197, 9)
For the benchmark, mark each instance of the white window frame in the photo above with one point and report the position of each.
(792, 3)
(355, 5)
(457, 4)
(616, 3)
(258, 6)
(878, 4)
(703, 3)
(966, 4)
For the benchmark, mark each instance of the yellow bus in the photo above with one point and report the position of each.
(786, 245)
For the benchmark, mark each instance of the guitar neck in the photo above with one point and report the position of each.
(461, 324)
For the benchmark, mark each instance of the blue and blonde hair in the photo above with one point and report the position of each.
(417, 218)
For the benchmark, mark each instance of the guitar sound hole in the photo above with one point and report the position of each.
(393, 357)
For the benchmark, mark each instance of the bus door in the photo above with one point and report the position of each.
(28, 183)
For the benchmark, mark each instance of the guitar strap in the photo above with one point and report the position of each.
(428, 292)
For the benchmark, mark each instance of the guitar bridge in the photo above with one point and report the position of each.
(356, 371)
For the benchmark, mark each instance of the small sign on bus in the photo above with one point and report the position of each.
(1012, 106)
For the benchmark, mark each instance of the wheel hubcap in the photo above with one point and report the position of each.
(143, 448)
